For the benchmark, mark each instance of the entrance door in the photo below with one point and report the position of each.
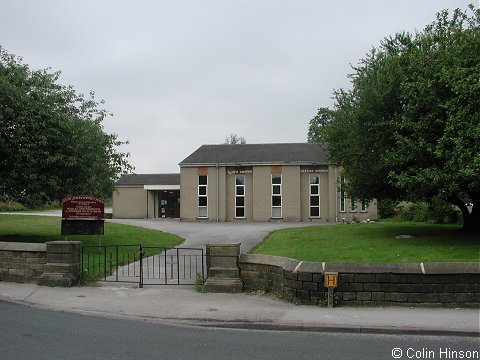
(169, 204)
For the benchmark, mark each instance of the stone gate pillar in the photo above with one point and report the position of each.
(63, 264)
(222, 268)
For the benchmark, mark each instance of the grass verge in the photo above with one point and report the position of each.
(373, 243)
(39, 229)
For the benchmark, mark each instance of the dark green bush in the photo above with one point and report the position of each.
(413, 211)
(386, 208)
(441, 211)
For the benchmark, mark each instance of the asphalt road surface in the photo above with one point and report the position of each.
(30, 333)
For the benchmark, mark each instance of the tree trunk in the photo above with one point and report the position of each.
(471, 220)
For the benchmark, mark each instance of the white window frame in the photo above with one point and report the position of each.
(201, 186)
(239, 196)
(276, 195)
(317, 195)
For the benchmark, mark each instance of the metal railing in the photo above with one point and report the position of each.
(142, 264)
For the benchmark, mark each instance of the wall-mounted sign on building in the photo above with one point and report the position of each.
(314, 169)
(240, 171)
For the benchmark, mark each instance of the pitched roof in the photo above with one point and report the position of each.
(149, 179)
(252, 154)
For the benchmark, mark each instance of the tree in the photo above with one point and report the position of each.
(52, 143)
(233, 139)
(410, 127)
(318, 124)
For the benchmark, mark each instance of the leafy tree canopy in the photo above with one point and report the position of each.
(410, 126)
(52, 143)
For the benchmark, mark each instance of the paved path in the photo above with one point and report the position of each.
(197, 234)
(183, 305)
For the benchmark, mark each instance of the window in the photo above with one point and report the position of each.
(364, 206)
(276, 195)
(343, 196)
(240, 196)
(353, 205)
(202, 196)
(315, 195)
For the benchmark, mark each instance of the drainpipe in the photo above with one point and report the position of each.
(147, 203)
(336, 196)
(218, 192)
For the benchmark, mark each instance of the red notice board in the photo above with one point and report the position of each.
(83, 207)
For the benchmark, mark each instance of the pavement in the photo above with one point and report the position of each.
(181, 304)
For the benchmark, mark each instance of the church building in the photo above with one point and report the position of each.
(249, 182)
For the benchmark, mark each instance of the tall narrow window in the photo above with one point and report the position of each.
(353, 205)
(240, 196)
(276, 195)
(202, 196)
(343, 197)
(364, 206)
(315, 195)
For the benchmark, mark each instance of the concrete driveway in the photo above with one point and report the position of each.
(197, 234)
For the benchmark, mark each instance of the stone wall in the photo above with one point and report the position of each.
(55, 263)
(365, 284)
(22, 262)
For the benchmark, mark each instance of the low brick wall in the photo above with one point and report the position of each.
(365, 284)
(22, 262)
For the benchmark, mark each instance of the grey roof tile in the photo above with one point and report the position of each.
(293, 153)
(149, 179)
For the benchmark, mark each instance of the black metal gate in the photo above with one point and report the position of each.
(148, 265)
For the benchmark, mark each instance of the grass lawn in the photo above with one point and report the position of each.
(96, 262)
(39, 229)
(373, 243)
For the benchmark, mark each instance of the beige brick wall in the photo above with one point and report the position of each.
(262, 193)
(295, 195)
(130, 203)
(291, 193)
(189, 193)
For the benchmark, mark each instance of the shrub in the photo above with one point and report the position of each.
(441, 211)
(199, 283)
(11, 206)
(413, 211)
(386, 208)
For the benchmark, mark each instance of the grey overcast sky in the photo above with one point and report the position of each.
(179, 74)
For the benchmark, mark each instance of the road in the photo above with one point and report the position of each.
(30, 333)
